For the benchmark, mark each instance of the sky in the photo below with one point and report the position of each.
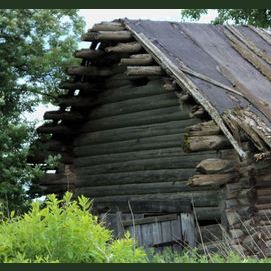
(93, 16)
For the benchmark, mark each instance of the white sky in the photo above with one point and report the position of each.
(93, 16)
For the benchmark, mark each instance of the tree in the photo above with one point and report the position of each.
(256, 17)
(35, 47)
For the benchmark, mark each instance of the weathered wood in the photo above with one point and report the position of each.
(107, 36)
(215, 165)
(210, 233)
(127, 133)
(137, 104)
(201, 143)
(157, 163)
(203, 129)
(188, 229)
(170, 85)
(60, 115)
(150, 219)
(54, 129)
(129, 47)
(137, 60)
(208, 213)
(108, 26)
(200, 198)
(172, 113)
(50, 179)
(144, 71)
(136, 155)
(89, 71)
(219, 179)
(55, 145)
(197, 111)
(88, 53)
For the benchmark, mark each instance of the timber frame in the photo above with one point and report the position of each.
(231, 155)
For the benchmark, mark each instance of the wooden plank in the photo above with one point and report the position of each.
(157, 233)
(188, 229)
(147, 235)
(166, 232)
(175, 226)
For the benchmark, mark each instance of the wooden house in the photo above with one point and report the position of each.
(167, 127)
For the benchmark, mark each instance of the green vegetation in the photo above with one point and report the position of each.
(256, 17)
(64, 231)
(35, 47)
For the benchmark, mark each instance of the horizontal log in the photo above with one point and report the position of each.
(61, 179)
(201, 143)
(172, 113)
(177, 162)
(129, 47)
(88, 53)
(148, 143)
(216, 165)
(137, 189)
(200, 198)
(207, 213)
(264, 192)
(54, 129)
(142, 131)
(89, 71)
(144, 176)
(137, 60)
(108, 26)
(84, 86)
(144, 71)
(60, 115)
(218, 179)
(265, 206)
(203, 129)
(136, 155)
(107, 36)
(41, 157)
(263, 199)
(55, 145)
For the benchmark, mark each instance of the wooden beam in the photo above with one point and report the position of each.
(144, 71)
(107, 36)
(89, 71)
(129, 47)
(88, 53)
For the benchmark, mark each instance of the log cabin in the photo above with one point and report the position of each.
(167, 127)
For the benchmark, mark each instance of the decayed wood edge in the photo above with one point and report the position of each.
(248, 43)
(261, 33)
(187, 84)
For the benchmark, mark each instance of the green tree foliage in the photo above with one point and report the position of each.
(35, 47)
(256, 17)
(63, 231)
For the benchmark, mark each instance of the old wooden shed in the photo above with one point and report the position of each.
(167, 127)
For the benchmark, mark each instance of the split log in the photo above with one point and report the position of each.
(84, 86)
(107, 36)
(201, 143)
(203, 129)
(129, 47)
(60, 115)
(54, 129)
(145, 176)
(88, 53)
(155, 164)
(137, 60)
(126, 133)
(108, 26)
(89, 71)
(215, 165)
(214, 179)
(144, 71)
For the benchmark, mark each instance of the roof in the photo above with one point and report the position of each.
(227, 69)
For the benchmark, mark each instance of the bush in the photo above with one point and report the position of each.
(63, 231)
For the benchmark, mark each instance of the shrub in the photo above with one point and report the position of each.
(63, 231)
